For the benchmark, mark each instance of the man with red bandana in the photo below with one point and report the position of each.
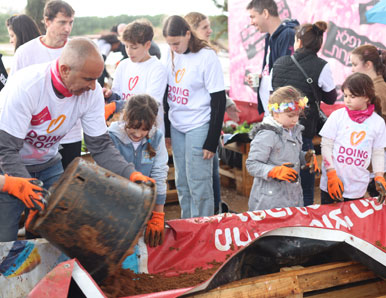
(40, 105)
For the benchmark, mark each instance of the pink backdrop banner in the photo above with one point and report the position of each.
(348, 29)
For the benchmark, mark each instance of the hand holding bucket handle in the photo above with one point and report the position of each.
(139, 178)
(30, 191)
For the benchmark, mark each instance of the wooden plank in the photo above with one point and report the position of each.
(295, 282)
(334, 277)
(227, 173)
(374, 289)
(284, 287)
(171, 173)
(171, 196)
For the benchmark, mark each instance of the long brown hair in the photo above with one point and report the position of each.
(141, 112)
(24, 28)
(178, 26)
(360, 84)
(311, 35)
(369, 52)
(194, 19)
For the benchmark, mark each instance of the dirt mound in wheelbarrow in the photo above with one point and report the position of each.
(126, 282)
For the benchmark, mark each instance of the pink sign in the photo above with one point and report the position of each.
(348, 29)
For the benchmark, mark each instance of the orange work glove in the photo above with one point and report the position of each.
(311, 162)
(110, 109)
(284, 172)
(28, 190)
(31, 216)
(155, 230)
(334, 186)
(380, 185)
(138, 177)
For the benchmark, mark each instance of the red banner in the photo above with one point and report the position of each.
(197, 242)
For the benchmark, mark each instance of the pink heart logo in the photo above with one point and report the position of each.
(133, 82)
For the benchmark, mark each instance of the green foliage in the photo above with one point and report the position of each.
(242, 128)
(35, 9)
(3, 29)
(219, 23)
(96, 25)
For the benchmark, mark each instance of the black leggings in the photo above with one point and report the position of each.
(69, 152)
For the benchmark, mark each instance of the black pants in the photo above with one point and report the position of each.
(326, 199)
(69, 152)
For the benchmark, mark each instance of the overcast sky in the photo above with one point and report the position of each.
(103, 8)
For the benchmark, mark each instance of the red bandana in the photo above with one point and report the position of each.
(360, 116)
(57, 80)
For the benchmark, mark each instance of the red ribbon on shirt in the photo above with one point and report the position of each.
(360, 116)
(57, 80)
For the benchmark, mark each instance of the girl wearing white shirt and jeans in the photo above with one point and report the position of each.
(195, 108)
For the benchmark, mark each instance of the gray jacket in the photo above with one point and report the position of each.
(271, 146)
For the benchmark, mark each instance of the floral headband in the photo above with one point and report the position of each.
(288, 106)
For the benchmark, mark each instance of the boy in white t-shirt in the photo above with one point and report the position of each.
(140, 73)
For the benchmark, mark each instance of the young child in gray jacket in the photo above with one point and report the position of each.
(276, 155)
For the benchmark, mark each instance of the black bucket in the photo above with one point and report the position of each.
(95, 216)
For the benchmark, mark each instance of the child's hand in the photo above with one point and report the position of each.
(311, 162)
(155, 230)
(380, 185)
(334, 186)
(284, 172)
(106, 92)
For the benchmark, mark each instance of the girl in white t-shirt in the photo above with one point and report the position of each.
(195, 105)
(351, 138)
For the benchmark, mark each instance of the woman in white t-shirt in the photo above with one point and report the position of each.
(351, 138)
(195, 108)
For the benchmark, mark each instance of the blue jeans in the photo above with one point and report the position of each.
(307, 179)
(11, 207)
(194, 177)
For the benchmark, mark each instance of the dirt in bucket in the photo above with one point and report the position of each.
(126, 282)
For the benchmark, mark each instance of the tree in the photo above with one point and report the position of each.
(220, 23)
(35, 9)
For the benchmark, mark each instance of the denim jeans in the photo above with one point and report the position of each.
(11, 207)
(307, 179)
(194, 177)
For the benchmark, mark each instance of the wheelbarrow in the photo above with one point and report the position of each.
(95, 216)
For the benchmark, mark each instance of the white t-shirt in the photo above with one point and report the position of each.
(265, 87)
(33, 112)
(147, 77)
(193, 78)
(36, 52)
(353, 146)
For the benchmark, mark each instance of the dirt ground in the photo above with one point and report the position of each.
(236, 202)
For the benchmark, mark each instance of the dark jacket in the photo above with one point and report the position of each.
(281, 43)
(285, 72)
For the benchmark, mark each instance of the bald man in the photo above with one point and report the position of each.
(40, 104)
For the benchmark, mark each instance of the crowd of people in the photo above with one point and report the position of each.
(55, 96)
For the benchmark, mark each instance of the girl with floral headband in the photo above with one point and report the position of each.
(276, 156)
